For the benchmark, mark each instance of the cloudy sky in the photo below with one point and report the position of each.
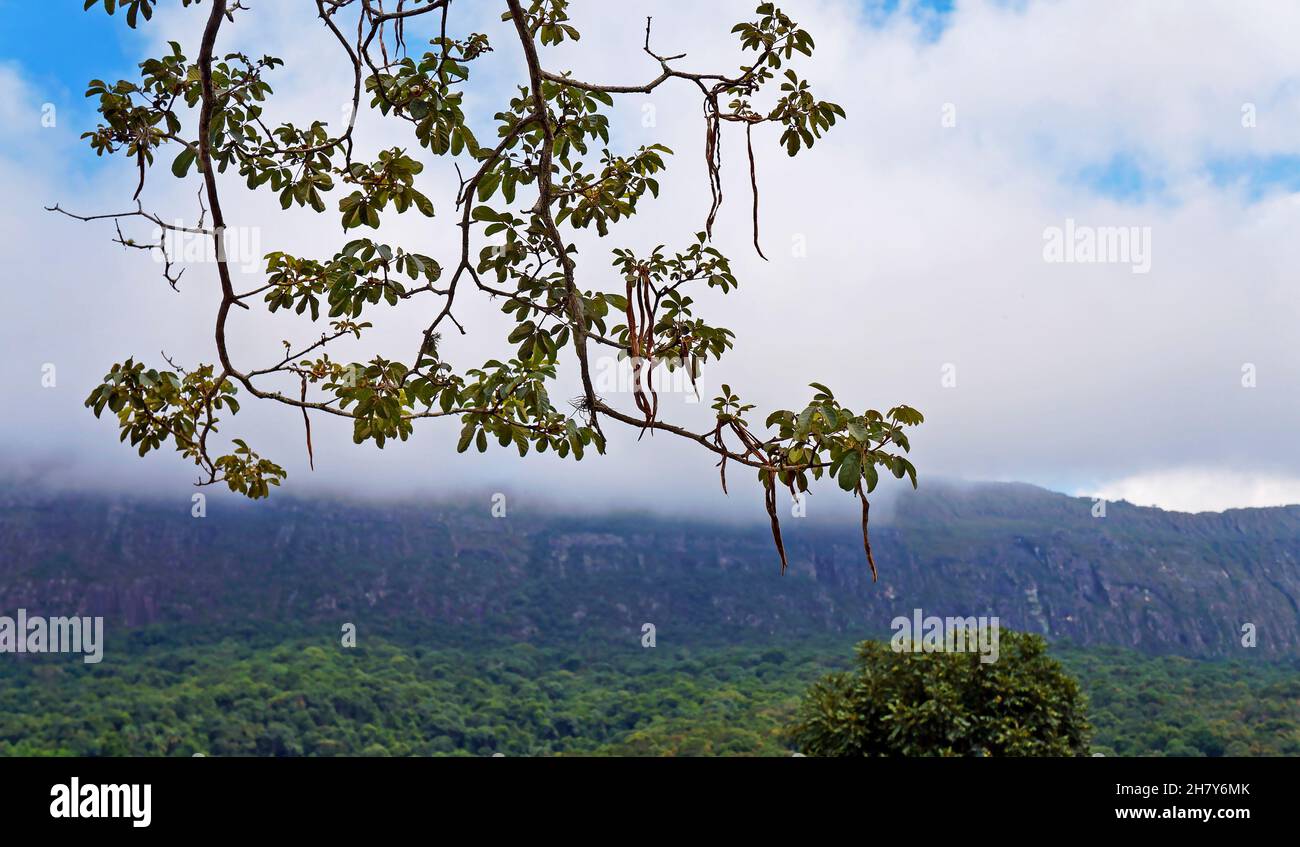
(917, 254)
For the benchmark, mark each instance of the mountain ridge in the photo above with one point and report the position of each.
(1140, 577)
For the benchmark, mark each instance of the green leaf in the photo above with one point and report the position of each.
(182, 162)
(487, 186)
(850, 470)
(522, 331)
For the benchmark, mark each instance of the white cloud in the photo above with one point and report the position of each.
(924, 248)
(1192, 490)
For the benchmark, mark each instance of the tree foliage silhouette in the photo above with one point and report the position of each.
(521, 198)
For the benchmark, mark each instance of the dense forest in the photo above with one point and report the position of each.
(179, 692)
(478, 636)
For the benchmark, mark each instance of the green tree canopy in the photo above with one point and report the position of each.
(946, 704)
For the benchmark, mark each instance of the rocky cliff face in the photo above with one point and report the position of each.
(1156, 581)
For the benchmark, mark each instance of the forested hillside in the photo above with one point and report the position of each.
(275, 693)
(1157, 582)
(523, 635)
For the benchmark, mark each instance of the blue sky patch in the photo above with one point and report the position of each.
(931, 15)
(1257, 175)
(1123, 178)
